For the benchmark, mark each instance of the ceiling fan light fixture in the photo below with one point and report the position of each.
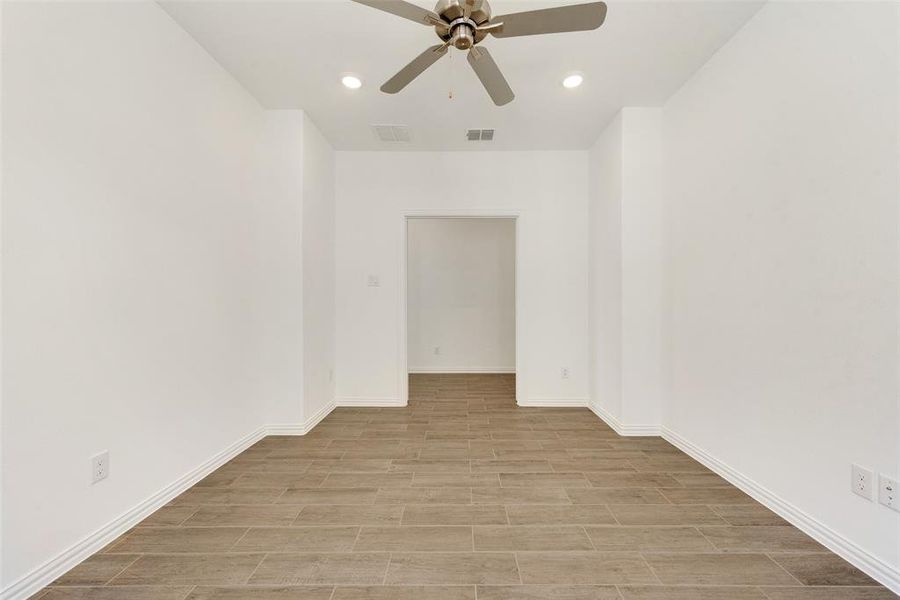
(573, 81)
(463, 24)
(351, 82)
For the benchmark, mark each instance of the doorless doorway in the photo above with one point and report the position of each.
(459, 295)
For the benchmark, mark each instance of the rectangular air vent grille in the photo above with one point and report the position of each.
(391, 133)
(480, 135)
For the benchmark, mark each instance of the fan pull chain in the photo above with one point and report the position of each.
(450, 78)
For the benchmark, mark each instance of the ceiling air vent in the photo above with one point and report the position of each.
(391, 133)
(480, 135)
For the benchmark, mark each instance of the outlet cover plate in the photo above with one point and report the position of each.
(861, 482)
(100, 466)
(888, 494)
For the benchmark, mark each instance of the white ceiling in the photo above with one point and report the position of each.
(292, 54)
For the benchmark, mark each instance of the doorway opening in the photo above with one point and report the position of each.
(460, 307)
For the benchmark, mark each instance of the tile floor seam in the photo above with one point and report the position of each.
(590, 539)
(783, 568)
(650, 567)
(116, 543)
(181, 524)
(387, 568)
(706, 537)
(276, 499)
(295, 519)
(256, 568)
(667, 499)
(125, 568)
(613, 515)
(518, 570)
(238, 541)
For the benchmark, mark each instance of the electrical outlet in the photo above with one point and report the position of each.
(373, 281)
(564, 373)
(100, 466)
(437, 350)
(861, 482)
(888, 494)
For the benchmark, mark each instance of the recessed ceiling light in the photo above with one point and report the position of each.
(573, 81)
(351, 82)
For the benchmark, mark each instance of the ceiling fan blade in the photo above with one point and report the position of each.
(470, 6)
(414, 69)
(491, 78)
(404, 9)
(578, 17)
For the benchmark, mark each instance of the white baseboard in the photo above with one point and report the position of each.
(45, 574)
(301, 428)
(368, 402)
(623, 429)
(452, 370)
(315, 419)
(873, 566)
(554, 402)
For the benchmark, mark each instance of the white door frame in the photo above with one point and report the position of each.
(515, 215)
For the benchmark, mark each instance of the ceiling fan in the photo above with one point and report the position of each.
(464, 23)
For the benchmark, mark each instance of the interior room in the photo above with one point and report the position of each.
(481, 300)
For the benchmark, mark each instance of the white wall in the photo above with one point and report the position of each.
(135, 190)
(626, 271)
(548, 190)
(278, 290)
(294, 287)
(2, 387)
(605, 225)
(461, 295)
(318, 272)
(781, 176)
(642, 265)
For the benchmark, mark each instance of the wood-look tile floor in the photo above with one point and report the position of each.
(463, 495)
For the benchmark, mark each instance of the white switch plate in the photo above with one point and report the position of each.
(888, 494)
(861, 482)
(100, 466)
(373, 281)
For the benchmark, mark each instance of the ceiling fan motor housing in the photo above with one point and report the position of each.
(460, 31)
